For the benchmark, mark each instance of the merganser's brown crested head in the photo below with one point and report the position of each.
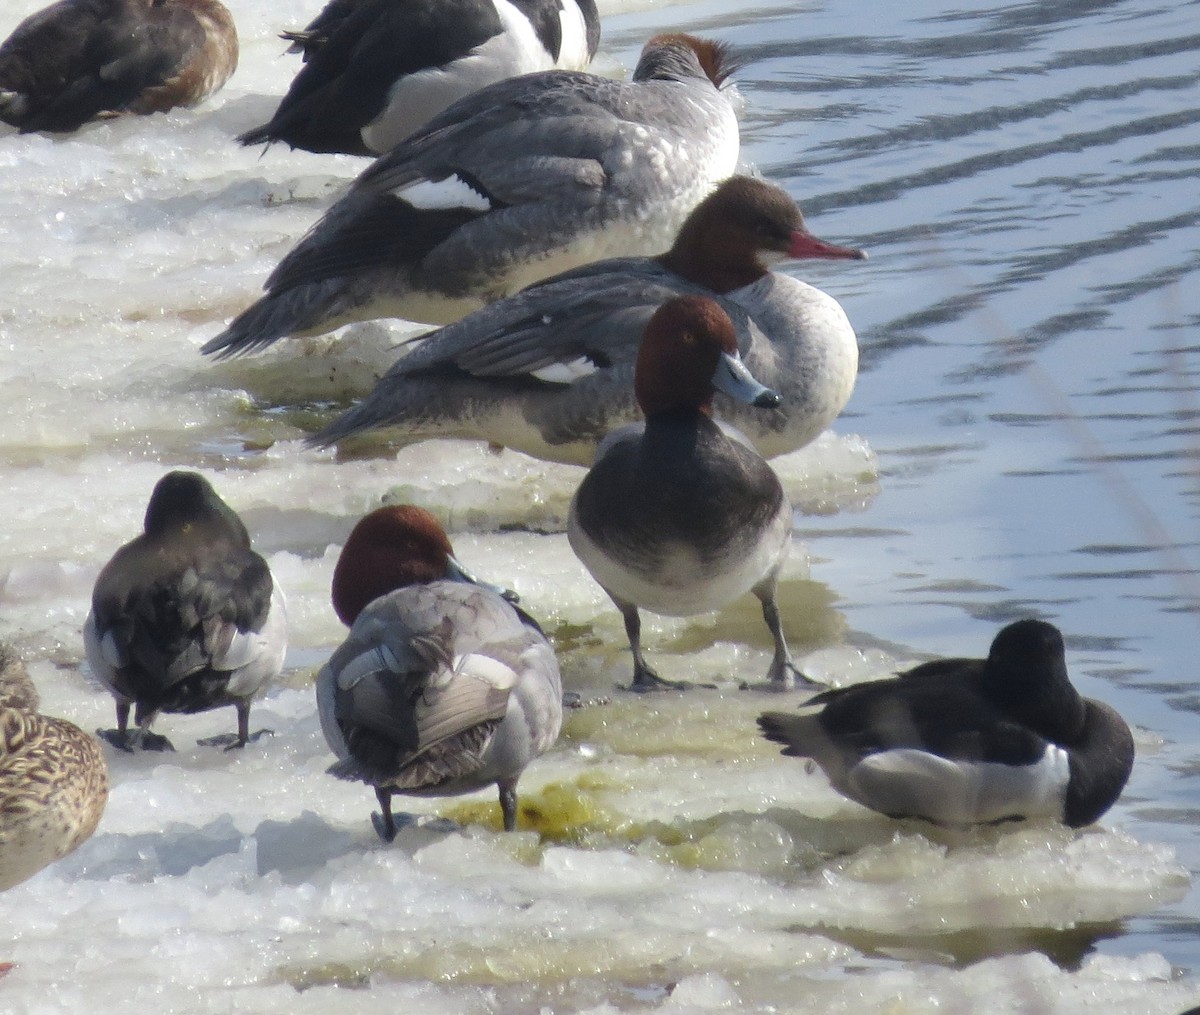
(743, 226)
(674, 55)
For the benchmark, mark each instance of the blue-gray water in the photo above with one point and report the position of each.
(1025, 179)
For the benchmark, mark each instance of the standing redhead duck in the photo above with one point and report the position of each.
(969, 741)
(442, 686)
(376, 70)
(679, 515)
(549, 371)
(79, 60)
(186, 617)
(549, 171)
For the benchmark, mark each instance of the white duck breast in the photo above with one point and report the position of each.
(574, 167)
(549, 370)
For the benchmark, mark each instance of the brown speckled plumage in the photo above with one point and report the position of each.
(53, 784)
(16, 689)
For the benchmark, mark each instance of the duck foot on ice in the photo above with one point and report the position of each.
(135, 740)
(786, 678)
(233, 741)
(646, 681)
(387, 825)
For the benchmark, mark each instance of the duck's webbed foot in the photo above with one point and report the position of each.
(784, 676)
(385, 823)
(646, 681)
(233, 741)
(135, 740)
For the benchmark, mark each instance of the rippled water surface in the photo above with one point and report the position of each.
(1022, 441)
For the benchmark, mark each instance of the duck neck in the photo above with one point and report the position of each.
(1050, 705)
(678, 414)
(719, 274)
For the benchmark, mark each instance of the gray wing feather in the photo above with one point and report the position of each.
(412, 700)
(598, 311)
(463, 138)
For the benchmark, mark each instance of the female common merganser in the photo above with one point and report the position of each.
(562, 168)
(549, 371)
(679, 515)
(376, 70)
(442, 686)
(53, 780)
(969, 741)
(79, 60)
(186, 617)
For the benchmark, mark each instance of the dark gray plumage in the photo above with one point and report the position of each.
(969, 741)
(186, 617)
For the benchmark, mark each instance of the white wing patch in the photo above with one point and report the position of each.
(566, 373)
(448, 193)
(491, 671)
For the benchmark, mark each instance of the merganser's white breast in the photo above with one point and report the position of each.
(807, 351)
(579, 34)
(416, 98)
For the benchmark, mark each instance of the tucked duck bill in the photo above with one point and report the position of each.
(733, 378)
(456, 572)
(805, 244)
